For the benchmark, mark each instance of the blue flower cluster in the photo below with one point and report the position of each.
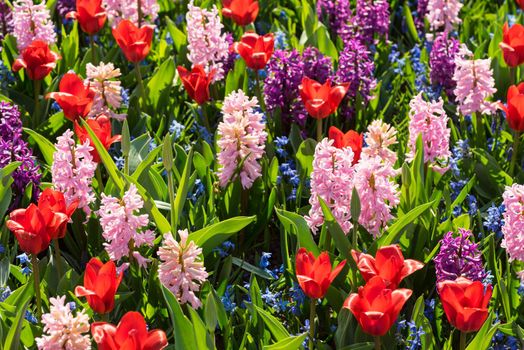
(24, 261)
(287, 169)
(225, 249)
(176, 129)
(197, 192)
(414, 339)
(494, 221)
(421, 79)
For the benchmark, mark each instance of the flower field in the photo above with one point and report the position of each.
(261, 174)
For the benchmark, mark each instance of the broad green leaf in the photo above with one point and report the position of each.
(182, 326)
(484, 336)
(45, 146)
(296, 225)
(12, 341)
(290, 343)
(183, 188)
(276, 328)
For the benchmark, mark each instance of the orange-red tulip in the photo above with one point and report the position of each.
(30, 229)
(465, 303)
(90, 15)
(520, 3)
(73, 97)
(101, 126)
(377, 307)
(515, 107)
(135, 42)
(314, 274)
(321, 100)
(350, 139)
(256, 50)
(242, 12)
(37, 60)
(100, 285)
(53, 206)
(196, 82)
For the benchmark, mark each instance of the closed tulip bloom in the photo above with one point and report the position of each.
(389, 264)
(101, 126)
(515, 107)
(135, 42)
(242, 12)
(130, 334)
(314, 274)
(520, 3)
(512, 44)
(255, 49)
(90, 15)
(100, 285)
(37, 59)
(56, 212)
(73, 97)
(350, 139)
(465, 303)
(196, 82)
(377, 307)
(321, 100)
(29, 228)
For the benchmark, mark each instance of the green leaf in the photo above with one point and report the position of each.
(290, 343)
(412, 30)
(305, 155)
(276, 328)
(484, 336)
(341, 240)
(182, 327)
(251, 268)
(183, 188)
(12, 341)
(46, 147)
(159, 86)
(355, 205)
(295, 224)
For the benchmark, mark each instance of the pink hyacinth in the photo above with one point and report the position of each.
(63, 330)
(206, 44)
(118, 10)
(102, 80)
(378, 193)
(182, 270)
(122, 227)
(429, 120)
(72, 171)
(475, 83)
(513, 229)
(379, 137)
(242, 138)
(32, 22)
(331, 180)
(443, 14)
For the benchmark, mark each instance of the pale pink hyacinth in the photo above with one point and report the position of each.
(475, 83)
(73, 170)
(513, 229)
(182, 270)
(207, 45)
(443, 14)
(379, 138)
(118, 10)
(62, 329)
(242, 137)
(32, 22)
(108, 91)
(378, 193)
(121, 225)
(430, 120)
(331, 180)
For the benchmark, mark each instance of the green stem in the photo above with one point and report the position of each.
(58, 259)
(126, 165)
(355, 234)
(319, 130)
(463, 127)
(480, 130)
(37, 84)
(98, 174)
(512, 71)
(259, 91)
(36, 276)
(140, 84)
(378, 346)
(462, 341)
(171, 189)
(93, 52)
(516, 143)
(312, 314)
(205, 119)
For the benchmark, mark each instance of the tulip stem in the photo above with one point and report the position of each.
(516, 143)
(99, 179)
(462, 341)
(36, 114)
(93, 52)
(36, 276)
(259, 91)
(56, 245)
(512, 71)
(378, 346)
(312, 314)
(140, 84)
(319, 130)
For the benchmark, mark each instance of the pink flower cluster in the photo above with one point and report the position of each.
(242, 138)
(443, 14)
(206, 44)
(118, 10)
(379, 137)
(429, 120)
(182, 270)
(102, 80)
(123, 228)
(513, 229)
(331, 180)
(475, 83)
(72, 171)
(32, 22)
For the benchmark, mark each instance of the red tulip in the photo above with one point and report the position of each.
(465, 303)
(515, 108)
(350, 139)
(37, 60)
(255, 49)
(242, 12)
(101, 126)
(376, 307)
(90, 15)
(29, 228)
(73, 97)
(321, 100)
(130, 334)
(100, 285)
(56, 212)
(512, 44)
(135, 42)
(520, 3)
(315, 275)
(196, 82)
(389, 264)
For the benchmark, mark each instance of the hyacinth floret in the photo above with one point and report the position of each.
(443, 14)
(102, 79)
(379, 137)
(442, 62)
(118, 10)
(32, 22)
(513, 228)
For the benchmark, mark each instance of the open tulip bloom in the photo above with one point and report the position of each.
(242, 12)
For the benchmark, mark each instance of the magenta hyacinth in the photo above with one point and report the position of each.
(442, 62)
(372, 18)
(336, 13)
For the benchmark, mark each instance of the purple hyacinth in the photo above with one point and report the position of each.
(316, 65)
(5, 19)
(229, 62)
(335, 12)
(442, 62)
(422, 10)
(372, 17)
(458, 256)
(355, 67)
(63, 7)
(14, 149)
